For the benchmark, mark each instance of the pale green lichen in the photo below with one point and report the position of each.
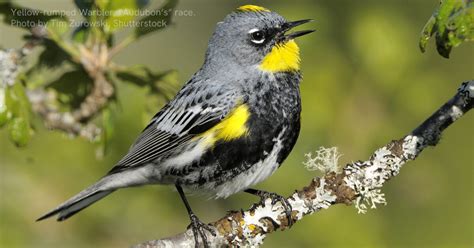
(367, 178)
(324, 160)
(253, 219)
(324, 198)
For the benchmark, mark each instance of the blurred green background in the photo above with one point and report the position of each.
(365, 83)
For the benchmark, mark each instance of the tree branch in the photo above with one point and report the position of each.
(358, 183)
(94, 61)
(53, 118)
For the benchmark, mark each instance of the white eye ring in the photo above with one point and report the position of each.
(256, 36)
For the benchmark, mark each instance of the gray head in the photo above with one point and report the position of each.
(253, 36)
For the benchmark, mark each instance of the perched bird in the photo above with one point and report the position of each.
(229, 127)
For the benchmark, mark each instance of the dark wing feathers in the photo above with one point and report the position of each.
(170, 129)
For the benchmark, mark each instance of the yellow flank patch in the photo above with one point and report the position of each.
(254, 8)
(283, 57)
(232, 127)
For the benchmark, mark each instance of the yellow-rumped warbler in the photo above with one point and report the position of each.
(228, 128)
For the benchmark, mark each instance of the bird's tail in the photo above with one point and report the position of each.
(78, 202)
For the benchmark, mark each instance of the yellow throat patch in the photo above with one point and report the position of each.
(254, 8)
(282, 58)
(230, 128)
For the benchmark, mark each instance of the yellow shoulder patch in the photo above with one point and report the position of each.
(230, 128)
(254, 8)
(282, 58)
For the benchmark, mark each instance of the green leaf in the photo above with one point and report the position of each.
(72, 88)
(11, 102)
(451, 24)
(16, 15)
(107, 128)
(3, 107)
(16, 101)
(53, 62)
(18, 114)
(84, 6)
(157, 22)
(137, 75)
(121, 14)
(81, 33)
(142, 3)
(103, 4)
(426, 33)
(57, 27)
(53, 55)
(19, 130)
(144, 77)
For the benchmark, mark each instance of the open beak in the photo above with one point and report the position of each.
(289, 25)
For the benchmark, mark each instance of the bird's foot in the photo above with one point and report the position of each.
(275, 198)
(198, 228)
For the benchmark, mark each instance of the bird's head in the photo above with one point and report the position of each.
(257, 37)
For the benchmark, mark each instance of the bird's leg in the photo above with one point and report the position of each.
(196, 225)
(275, 198)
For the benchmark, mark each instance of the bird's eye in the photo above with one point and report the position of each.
(257, 36)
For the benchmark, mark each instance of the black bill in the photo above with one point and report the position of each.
(290, 25)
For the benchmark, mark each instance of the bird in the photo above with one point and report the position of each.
(228, 128)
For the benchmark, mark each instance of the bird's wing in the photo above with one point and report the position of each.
(173, 127)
